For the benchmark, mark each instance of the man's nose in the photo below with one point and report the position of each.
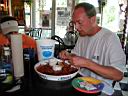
(77, 26)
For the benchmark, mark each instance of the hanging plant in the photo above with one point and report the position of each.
(102, 3)
(29, 2)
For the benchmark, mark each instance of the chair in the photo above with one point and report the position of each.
(39, 32)
(58, 47)
(36, 33)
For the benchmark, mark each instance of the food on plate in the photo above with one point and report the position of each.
(57, 67)
(53, 61)
(90, 80)
(60, 68)
(87, 85)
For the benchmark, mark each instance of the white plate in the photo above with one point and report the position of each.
(52, 77)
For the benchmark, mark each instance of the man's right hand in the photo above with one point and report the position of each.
(64, 55)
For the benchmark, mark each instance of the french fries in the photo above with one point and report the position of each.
(90, 80)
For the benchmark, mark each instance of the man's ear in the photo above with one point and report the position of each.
(93, 19)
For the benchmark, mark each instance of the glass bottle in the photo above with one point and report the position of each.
(2, 69)
(7, 64)
(7, 54)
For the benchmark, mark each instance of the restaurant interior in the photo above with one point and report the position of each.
(41, 19)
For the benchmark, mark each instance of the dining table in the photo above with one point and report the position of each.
(37, 86)
(33, 85)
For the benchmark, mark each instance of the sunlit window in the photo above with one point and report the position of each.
(63, 16)
(27, 14)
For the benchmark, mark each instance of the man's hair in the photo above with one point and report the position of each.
(8, 24)
(7, 18)
(88, 8)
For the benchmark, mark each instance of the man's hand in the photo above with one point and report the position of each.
(64, 55)
(73, 59)
(78, 61)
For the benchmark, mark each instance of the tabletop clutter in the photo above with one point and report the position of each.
(11, 57)
(14, 55)
(11, 62)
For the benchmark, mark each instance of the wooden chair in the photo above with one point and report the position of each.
(36, 33)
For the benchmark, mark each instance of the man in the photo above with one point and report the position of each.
(98, 51)
(9, 25)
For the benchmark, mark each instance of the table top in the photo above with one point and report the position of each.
(36, 86)
(33, 85)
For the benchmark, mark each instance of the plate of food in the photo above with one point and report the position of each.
(55, 69)
(88, 85)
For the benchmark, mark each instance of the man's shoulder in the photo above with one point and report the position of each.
(108, 33)
(28, 38)
(3, 40)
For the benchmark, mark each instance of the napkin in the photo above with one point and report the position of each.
(107, 89)
(17, 55)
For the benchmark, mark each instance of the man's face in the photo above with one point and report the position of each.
(83, 23)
